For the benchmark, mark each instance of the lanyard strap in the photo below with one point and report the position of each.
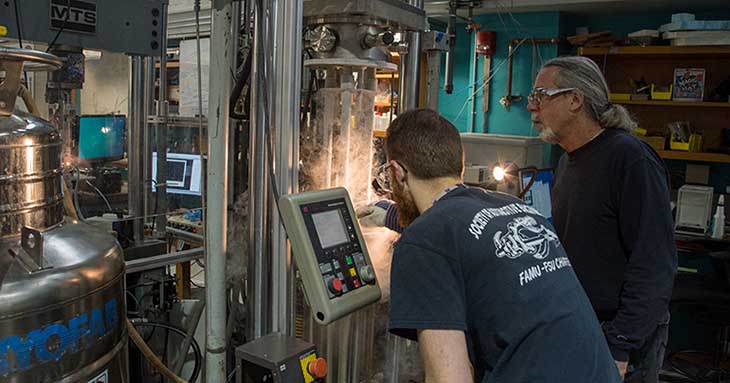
(448, 190)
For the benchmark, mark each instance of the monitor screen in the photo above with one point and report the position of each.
(176, 172)
(539, 194)
(101, 137)
(184, 173)
(330, 228)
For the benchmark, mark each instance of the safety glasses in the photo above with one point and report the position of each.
(381, 181)
(540, 95)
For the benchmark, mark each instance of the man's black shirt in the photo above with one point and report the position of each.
(486, 264)
(611, 211)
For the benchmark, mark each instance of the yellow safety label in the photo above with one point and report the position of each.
(3, 30)
(304, 361)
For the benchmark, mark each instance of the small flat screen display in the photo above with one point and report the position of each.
(101, 137)
(330, 228)
(176, 172)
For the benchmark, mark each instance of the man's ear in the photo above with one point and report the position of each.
(398, 171)
(576, 101)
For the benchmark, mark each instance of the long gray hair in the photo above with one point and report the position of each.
(583, 74)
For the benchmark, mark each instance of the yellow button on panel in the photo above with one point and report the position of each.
(304, 362)
(3, 30)
(352, 272)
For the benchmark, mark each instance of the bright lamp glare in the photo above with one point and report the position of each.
(498, 173)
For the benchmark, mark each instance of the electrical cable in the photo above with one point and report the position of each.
(167, 341)
(136, 301)
(63, 26)
(267, 132)
(489, 79)
(17, 23)
(108, 205)
(533, 170)
(243, 78)
(76, 195)
(20, 32)
(154, 359)
(203, 175)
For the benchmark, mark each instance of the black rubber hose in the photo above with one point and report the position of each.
(194, 343)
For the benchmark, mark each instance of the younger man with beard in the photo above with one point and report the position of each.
(479, 278)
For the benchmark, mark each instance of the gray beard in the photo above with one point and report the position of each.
(549, 136)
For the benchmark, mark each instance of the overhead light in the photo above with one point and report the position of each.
(92, 55)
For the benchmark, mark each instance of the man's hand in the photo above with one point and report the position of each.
(622, 366)
(371, 215)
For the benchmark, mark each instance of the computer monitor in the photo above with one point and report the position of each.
(101, 138)
(539, 194)
(184, 173)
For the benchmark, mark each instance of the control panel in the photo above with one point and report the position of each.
(277, 358)
(185, 223)
(330, 252)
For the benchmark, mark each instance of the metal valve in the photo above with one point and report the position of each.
(322, 39)
(383, 39)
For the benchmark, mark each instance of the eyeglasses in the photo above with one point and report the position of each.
(381, 181)
(539, 95)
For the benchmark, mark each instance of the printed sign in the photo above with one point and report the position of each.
(79, 17)
(52, 342)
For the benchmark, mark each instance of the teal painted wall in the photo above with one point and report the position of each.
(457, 106)
(516, 121)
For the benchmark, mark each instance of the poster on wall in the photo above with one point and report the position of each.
(689, 84)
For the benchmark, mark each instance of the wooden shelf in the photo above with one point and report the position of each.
(656, 51)
(694, 104)
(170, 64)
(694, 156)
(380, 133)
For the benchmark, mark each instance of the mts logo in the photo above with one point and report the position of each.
(80, 16)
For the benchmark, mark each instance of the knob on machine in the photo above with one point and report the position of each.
(367, 274)
(318, 368)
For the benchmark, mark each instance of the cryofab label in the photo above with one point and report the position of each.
(101, 378)
(53, 341)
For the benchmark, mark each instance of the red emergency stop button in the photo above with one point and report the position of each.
(335, 286)
(318, 367)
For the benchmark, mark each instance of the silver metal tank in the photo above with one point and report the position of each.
(62, 308)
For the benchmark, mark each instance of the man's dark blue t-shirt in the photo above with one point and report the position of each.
(491, 266)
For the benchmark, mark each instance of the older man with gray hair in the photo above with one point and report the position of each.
(611, 210)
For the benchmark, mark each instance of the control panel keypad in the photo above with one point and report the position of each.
(341, 261)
